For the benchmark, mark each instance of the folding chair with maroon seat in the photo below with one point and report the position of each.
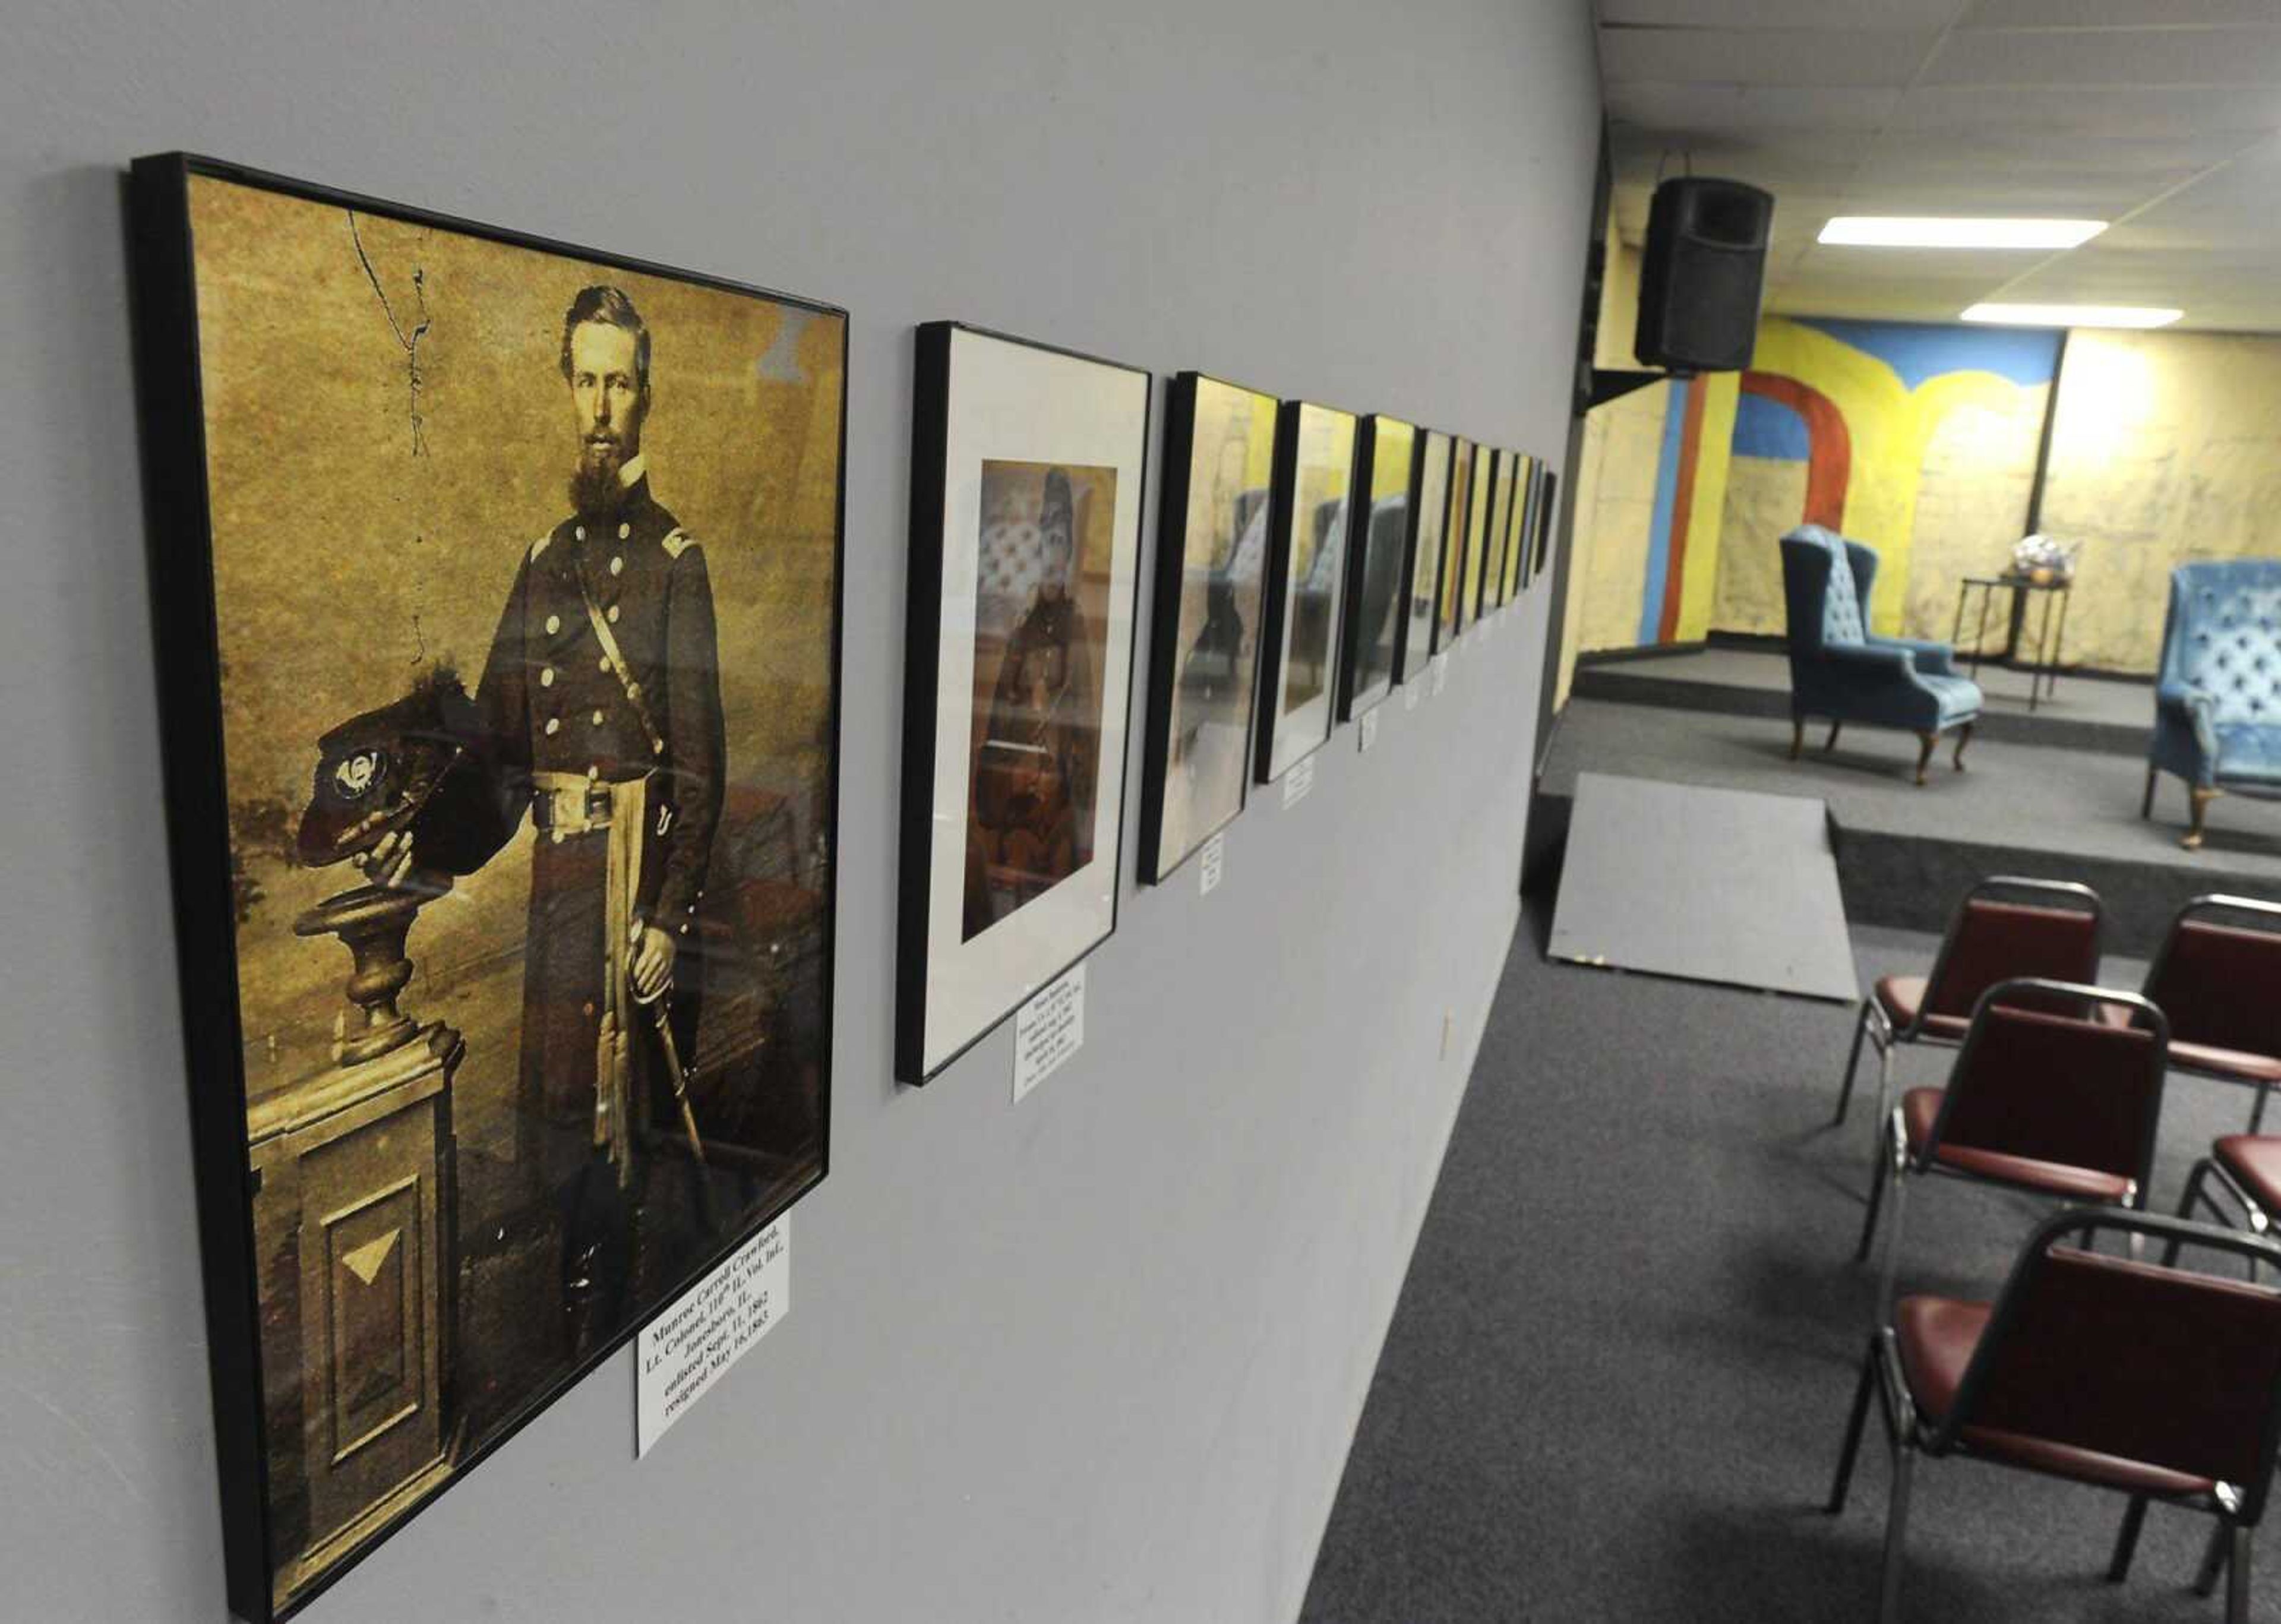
(2004, 927)
(2156, 1382)
(2217, 976)
(2248, 1166)
(2046, 1096)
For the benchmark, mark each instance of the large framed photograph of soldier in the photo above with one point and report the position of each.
(498, 590)
(1026, 472)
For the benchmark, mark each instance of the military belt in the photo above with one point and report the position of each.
(562, 804)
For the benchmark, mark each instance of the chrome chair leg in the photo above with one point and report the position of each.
(2126, 1539)
(2213, 1556)
(1897, 1525)
(1843, 1482)
(1892, 1268)
(1852, 1062)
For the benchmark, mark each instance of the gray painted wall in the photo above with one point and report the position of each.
(1097, 1356)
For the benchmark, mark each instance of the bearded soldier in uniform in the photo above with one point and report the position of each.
(599, 716)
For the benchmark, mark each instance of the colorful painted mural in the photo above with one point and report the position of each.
(1921, 441)
(1918, 439)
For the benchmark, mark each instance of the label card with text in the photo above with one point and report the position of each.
(683, 1351)
(1366, 730)
(1048, 1030)
(1215, 859)
(1297, 782)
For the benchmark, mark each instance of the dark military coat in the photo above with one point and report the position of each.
(551, 702)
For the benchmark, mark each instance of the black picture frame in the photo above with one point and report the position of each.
(180, 532)
(1296, 607)
(1495, 532)
(1171, 640)
(1430, 501)
(1449, 620)
(1547, 515)
(1378, 543)
(919, 1060)
(1517, 538)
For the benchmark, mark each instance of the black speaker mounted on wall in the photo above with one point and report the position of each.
(1702, 274)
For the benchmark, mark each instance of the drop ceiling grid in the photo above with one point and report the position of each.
(2161, 114)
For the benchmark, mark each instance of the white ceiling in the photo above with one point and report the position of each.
(2160, 116)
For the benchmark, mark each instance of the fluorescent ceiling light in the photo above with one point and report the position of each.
(2072, 315)
(1932, 231)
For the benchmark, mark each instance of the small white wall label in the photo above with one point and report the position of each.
(685, 1349)
(1049, 1029)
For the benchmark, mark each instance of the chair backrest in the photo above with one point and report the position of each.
(2217, 975)
(2223, 635)
(1821, 591)
(2008, 927)
(2071, 1088)
(2174, 1369)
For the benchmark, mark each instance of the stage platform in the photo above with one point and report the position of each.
(2087, 713)
(2051, 810)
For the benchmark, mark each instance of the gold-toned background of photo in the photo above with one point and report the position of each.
(377, 468)
(1319, 477)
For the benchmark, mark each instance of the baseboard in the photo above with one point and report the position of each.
(1645, 651)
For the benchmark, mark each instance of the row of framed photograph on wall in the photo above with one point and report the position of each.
(507, 987)
(1309, 561)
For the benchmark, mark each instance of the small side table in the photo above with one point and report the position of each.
(2043, 671)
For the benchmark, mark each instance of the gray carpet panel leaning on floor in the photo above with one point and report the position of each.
(1615, 1382)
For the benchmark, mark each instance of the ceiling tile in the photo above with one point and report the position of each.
(1710, 109)
(1928, 14)
(2123, 111)
(1816, 58)
(2115, 13)
(2096, 57)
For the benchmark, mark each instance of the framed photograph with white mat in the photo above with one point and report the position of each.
(1306, 574)
(1203, 657)
(1429, 503)
(1027, 470)
(1386, 457)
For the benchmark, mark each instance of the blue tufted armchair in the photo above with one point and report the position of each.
(2217, 700)
(1838, 670)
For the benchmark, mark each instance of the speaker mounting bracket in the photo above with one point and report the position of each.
(1614, 382)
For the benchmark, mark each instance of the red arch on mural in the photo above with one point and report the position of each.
(1830, 448)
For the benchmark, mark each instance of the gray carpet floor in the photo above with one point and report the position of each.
(2013, 795)
(1615, 1382)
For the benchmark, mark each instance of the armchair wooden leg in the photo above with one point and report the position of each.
(2237, 1580)
(2201, 798)
(1963, 738)
(1836, 728)
(1926, 743)
(1797, 736)
(2146, 807)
